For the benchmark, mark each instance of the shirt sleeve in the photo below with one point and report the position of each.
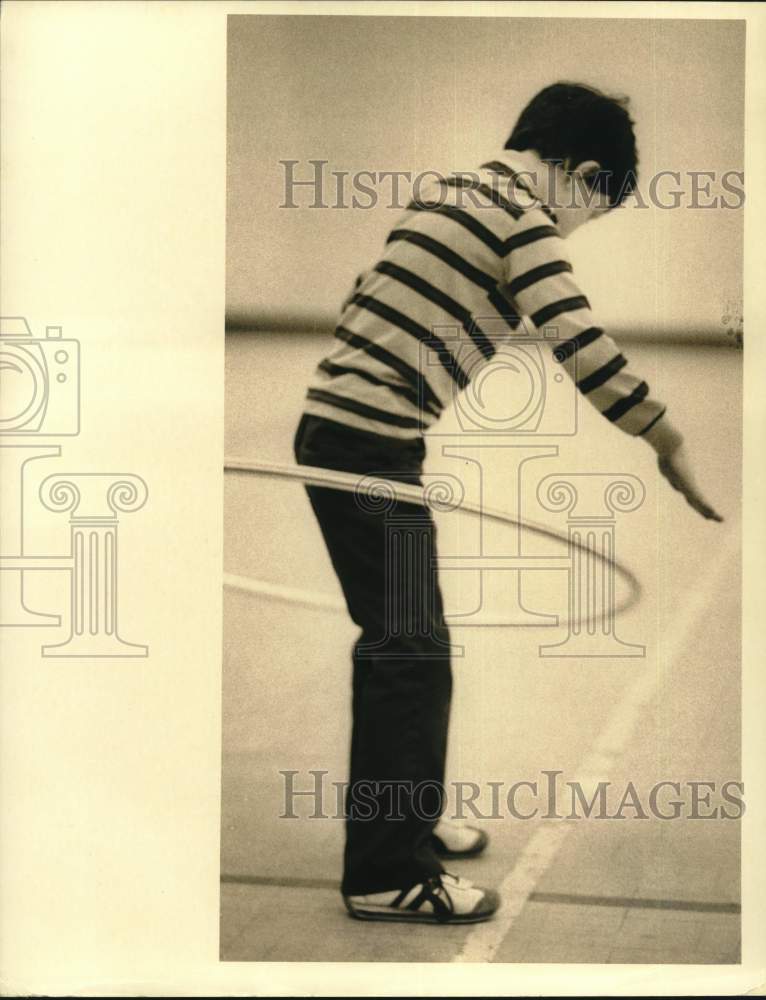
(541, 283)
(357, 282)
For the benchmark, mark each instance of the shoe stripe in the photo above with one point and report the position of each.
(429, 901)
(434, 893)
(370, 906)
(409, 895)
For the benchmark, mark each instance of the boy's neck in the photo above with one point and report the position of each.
(553, 186)
(539, 176)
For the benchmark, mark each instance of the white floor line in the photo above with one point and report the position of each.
(483, 940)
(279, 592)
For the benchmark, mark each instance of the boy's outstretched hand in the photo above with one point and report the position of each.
(677, 470)
(675, 466)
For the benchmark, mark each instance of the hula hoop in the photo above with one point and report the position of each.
(379, 488)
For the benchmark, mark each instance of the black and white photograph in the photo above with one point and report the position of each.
(382, 453)
(483, 425)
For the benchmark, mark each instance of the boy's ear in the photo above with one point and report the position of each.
(587, 168)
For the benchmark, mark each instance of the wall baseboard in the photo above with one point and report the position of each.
(240, 323)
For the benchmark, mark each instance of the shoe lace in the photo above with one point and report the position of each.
(439, 897)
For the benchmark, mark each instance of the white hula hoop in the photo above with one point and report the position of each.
(377, 487)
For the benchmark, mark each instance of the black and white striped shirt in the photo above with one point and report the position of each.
(473, 256)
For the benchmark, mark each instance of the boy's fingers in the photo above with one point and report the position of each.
(689, 491)
(676, 480)
(702, 508)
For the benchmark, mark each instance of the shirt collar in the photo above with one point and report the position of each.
(527, 172)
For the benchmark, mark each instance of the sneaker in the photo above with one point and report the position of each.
(453, 839)
(441, 899)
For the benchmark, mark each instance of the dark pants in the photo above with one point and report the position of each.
(384, 556)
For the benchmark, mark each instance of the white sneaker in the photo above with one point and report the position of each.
(441, 899)
(453, 838)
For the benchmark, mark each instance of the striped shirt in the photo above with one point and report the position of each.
(464, 266)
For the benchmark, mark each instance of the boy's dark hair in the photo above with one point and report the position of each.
(570, 121)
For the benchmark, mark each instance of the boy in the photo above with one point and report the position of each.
(486, 249)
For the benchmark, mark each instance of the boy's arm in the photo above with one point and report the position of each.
(357, 282)
(541, 284)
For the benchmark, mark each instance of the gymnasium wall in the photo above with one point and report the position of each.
(396, 93)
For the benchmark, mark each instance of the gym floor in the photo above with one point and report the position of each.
(636, 890)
